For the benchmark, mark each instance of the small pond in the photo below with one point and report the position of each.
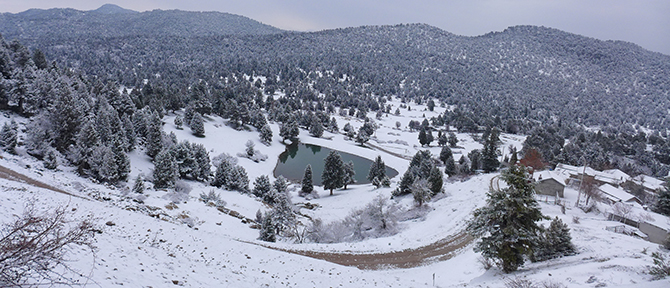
(293, 161)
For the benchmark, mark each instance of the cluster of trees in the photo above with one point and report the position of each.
(281, 219)
(336, 173)
(508, 225)
(423, 179)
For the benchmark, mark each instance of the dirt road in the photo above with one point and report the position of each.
(438, 251)
(9, 174)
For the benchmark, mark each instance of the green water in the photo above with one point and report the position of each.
(293, 161)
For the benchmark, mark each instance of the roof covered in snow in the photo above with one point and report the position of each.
(616, 194)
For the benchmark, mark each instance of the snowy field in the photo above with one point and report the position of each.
(218, 250)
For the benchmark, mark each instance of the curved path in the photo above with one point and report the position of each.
(439, 251)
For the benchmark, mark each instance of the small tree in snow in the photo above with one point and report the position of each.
(349, 174)
(377, 173)
(554, 242)
(307, 186)
(266, 134)
(138, 187)
(178, 122)
(250, 148)
(333, 172)
(198, 125)
(420, 191)
(165, 170)
(262, 186)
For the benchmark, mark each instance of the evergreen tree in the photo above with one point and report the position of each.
(489, 158)
(51, 160)
(202, 167)
(423, 136)
(445, 154)
(268, 229)
(165, 170)
(362, 137)
(405, 185)
(103, 164)
(663, 203)
(138, 187)
(332, 126)
(450, 167)
(435, 181)
(554, 242)
(266, 134)
(475, 160)
(280, 184)
(349, 174)
(307, 186)
(289, 130)
(154, 143)
(317, 129)
(262, 186)
(8, 138)
(333, 172)
(452, 140)
(198, 125)
(442, 139)
(121, 158)
(377, 172)
(508, 221)
(178, 122)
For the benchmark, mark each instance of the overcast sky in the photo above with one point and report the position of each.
(644, 22)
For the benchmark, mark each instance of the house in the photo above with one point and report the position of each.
(614, 177)
(551, 183)
(613, 194)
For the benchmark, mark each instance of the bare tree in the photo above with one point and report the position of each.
(33, 247)
(591, 190)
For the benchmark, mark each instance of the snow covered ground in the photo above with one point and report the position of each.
(218, 250)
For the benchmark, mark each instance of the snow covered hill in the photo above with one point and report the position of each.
(147, 241)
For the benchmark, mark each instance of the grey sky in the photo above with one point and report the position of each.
(644, 22)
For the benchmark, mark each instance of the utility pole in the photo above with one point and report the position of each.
(579, 195)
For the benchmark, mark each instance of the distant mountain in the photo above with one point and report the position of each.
(114, 21)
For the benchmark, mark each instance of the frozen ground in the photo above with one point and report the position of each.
(220, 251)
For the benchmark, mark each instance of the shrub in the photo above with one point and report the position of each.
(35, 245)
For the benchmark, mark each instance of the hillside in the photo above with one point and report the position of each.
(114, 21)
(524, 73)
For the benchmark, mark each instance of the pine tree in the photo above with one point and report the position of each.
(554, 242)
(268, 230)
(508, 221)
(8, 138)
(121, 159)
(289, 130)
(154, 143)
(198, 125)
(423, 136)
(262, 186)
(452, 140)
(178, 122)
(103, 164)
(475, 160)
(445, 154)
(405, 185)
(138, 187)
(266, 134)
(489, 158)
(317, 129)
(165, 170)
(662, 205)
(362, 137)
(435, 181)
(280, 184)
(349, 174)
(377, 172)
(51, 159)
(307, 186)
(442, 139)
(450, 167)
(202, 168)
(333, 172)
